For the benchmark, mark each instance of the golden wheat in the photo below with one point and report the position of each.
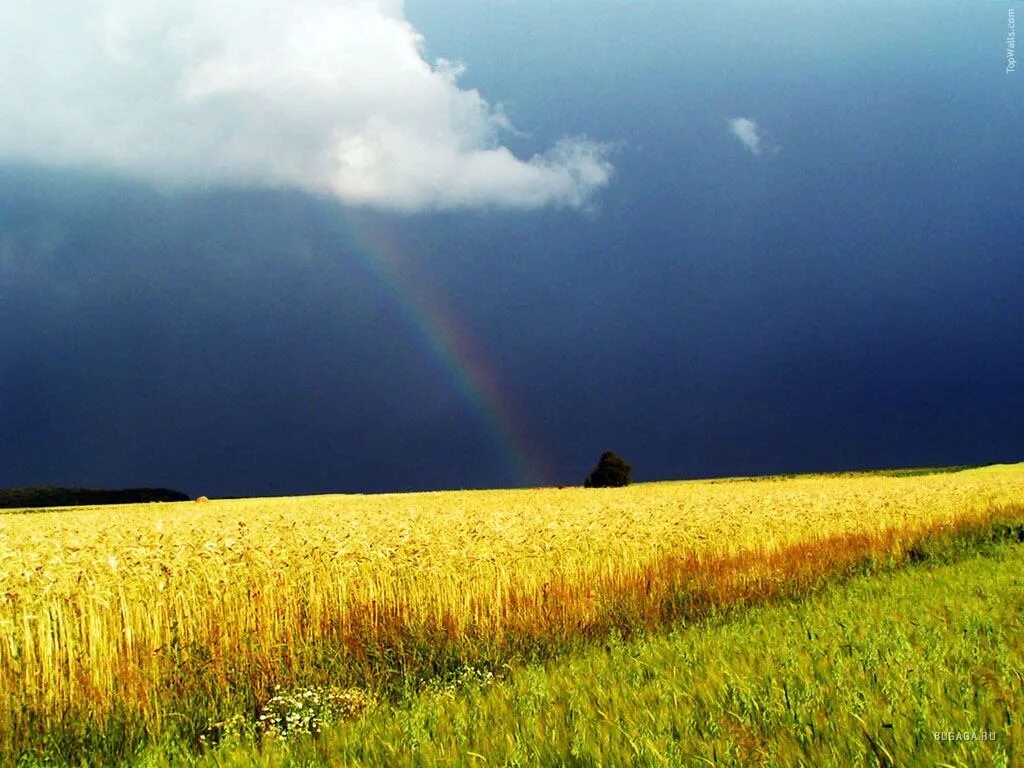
(100, 604)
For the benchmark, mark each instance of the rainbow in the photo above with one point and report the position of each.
(451, 347)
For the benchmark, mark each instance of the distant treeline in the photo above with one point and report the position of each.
(49, 496)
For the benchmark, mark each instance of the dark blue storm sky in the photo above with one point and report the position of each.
(851, 298)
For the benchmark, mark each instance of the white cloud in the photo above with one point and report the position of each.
(751, 135)
(329, 96)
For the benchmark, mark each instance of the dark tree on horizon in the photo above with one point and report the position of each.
(611, 472)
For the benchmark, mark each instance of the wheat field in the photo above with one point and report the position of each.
(121, 614)
(888, 669)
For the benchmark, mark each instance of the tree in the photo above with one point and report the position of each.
(611, 472)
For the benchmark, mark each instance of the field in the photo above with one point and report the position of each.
(184, 623)
(920, 667)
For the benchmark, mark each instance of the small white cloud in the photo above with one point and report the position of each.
(329, 96)
(751, 135)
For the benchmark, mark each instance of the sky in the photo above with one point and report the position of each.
(365, 245)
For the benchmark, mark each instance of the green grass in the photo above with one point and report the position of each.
(883, 472)
(920, 471)
(861, 674)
